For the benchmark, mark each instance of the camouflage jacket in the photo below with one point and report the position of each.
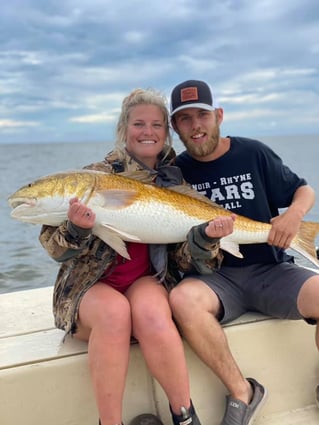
(85, 257)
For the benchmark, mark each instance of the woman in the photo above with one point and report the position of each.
(104, 299)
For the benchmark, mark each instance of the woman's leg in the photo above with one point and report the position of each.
(105, 322)
(159, 339)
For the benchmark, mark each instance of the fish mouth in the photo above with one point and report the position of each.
(21, 202)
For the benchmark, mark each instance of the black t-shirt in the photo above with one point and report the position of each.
(251, 180)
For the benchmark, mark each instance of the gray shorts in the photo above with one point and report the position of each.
(265, 288)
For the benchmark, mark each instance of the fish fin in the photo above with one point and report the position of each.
(304, 241)
(147, 177)
(115, 238)
(231, 247)
(126, 236)
(189, 191)
(116, 199)
(143, 176)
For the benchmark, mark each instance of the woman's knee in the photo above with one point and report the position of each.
(109, 309)
(115, 311)
(152, 315)
(152, 319)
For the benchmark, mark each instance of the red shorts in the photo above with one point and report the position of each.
(126, 271)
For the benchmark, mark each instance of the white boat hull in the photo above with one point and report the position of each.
(43, 380)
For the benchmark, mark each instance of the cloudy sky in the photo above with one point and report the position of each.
(66, 65)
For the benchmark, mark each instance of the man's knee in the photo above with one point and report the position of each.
(194, 297)
(180, 296)
(308, 299)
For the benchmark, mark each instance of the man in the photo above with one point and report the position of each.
(248, 178)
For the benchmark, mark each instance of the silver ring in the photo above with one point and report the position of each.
(220, 225)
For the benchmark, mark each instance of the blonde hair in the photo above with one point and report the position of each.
(140, 97)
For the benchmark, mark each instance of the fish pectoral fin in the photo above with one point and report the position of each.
(116, 199)
(231, 247)
(126, 236)
(114, 238)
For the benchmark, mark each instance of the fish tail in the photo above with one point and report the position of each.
(304, 242)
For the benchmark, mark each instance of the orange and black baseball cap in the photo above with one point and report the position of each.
(192, 94)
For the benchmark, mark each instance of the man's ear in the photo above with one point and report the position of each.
(173, 124)
(220, 115)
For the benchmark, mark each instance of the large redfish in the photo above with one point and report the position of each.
(128, 209)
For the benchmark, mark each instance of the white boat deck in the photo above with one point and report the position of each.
(44, 380)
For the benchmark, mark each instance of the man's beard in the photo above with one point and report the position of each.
(203, 149)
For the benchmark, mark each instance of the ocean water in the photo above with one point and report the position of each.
(25, 264)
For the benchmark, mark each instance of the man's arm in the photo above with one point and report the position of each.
(286, 225)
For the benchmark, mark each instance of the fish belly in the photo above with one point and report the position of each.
(155, 223)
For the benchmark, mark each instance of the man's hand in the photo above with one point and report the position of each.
(284, 228)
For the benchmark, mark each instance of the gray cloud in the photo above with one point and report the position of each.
(65, 66)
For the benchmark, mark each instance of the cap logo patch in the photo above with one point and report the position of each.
(189, 93)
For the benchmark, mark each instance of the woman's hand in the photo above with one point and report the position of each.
(220, 226)
(81, 215)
